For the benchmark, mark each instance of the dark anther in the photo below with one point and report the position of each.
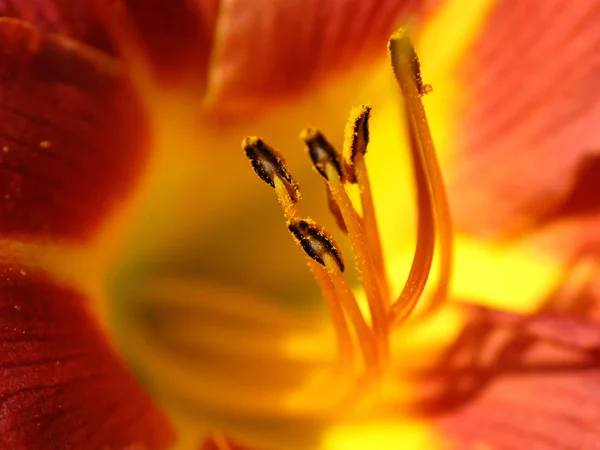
(268, 163)
(357, 137)
(321, 152)
(315, 241)
(360, 132)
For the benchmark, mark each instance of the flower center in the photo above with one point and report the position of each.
(364, 338)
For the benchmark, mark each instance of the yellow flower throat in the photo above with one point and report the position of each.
(358, 334)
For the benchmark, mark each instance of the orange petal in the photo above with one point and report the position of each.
(71, 135)
(277, 49)
(73, 19)
(60, 385)
(513, 382)
(531, 79)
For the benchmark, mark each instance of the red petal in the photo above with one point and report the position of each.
(71, 135)
(60, 385)
(275, 49)
(72, 18)
(533, 75)
(177, 35)
(517, 383)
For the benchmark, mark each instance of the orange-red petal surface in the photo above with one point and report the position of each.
(72, 135)
(71, 18)
(176, 36)
(276, 49)
(513, 383)
(71, 145)
(532, 81)
(60, 385)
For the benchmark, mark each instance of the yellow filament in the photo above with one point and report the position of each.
(336, 312)
(364, 333)
(331, 296)
(370, 225)
(289, 207)
(363, 259)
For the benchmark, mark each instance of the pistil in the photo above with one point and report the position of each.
(408, 74)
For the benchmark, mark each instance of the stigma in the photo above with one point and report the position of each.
(363, 337)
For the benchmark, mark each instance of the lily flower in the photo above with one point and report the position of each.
(153, 297)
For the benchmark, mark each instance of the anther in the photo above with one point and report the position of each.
(269, 164)
(321, 152)
(357, 136)
(315, 241)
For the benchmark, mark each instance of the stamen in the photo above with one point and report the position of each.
(320, 247)
(281, 181)
(269, 165)
(334, 209)
(366, 340)
(287, 203)
(357, 133)
(360, 247)
(315, 241)
(336, 312)
(321, 152)
(321, 252)
(355, 146)
(408, 74)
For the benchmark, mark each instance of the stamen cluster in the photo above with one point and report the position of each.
(352, 327)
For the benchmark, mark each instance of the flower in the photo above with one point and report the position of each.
(127, 224)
